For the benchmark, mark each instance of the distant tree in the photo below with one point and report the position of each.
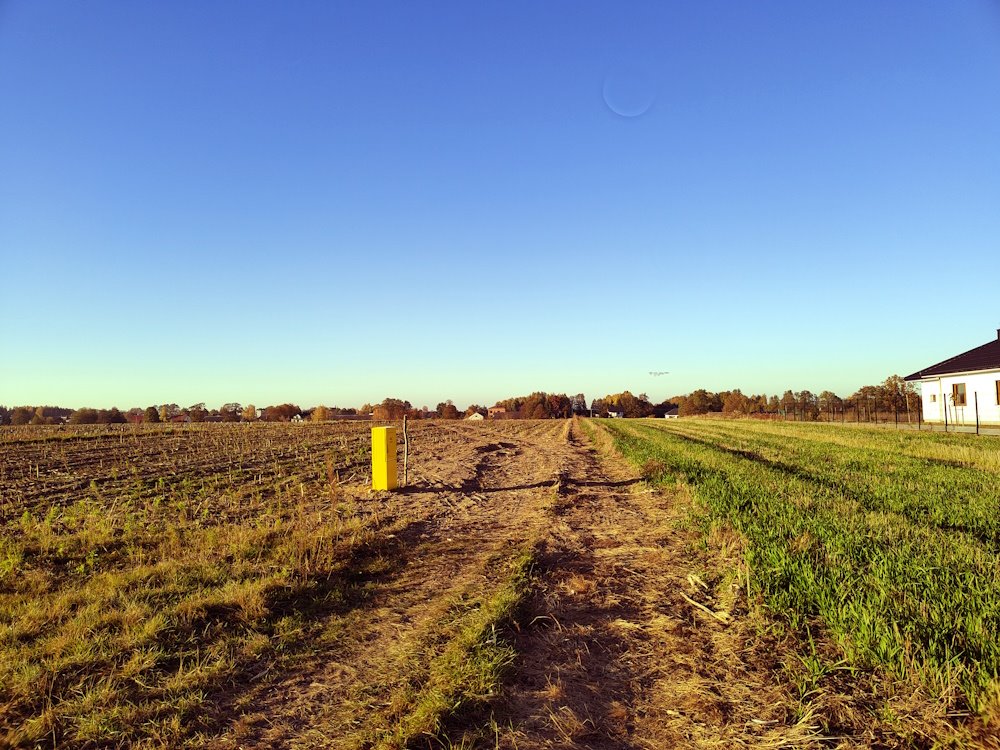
(829, 403)
(533, 407)
(4, 415)
(559, 406)
(21, 415)
(788, 402)
(230, 412)
(736, 404)
(249, 413)
(700, 402)
(281, 413)
(197, 412)
(894, 393)
(151, 415)
(579, 404)
(169, 411)
(83, 416)
(110, 416)
(320, 414)
(446, 410)
(366, 409)
(391, 408)
(807, 405)
(45, 415)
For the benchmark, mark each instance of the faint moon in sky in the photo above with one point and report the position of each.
(629, 92)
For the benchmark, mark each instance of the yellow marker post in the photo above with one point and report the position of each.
(384, 458)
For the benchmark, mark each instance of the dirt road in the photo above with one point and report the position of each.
(630, 640)
(477, 494)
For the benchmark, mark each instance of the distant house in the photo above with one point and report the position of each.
(615, 413)
(671, 413)
(955, 388)
(297, 418)
(181, 419)
(474, 417)
(496, 412)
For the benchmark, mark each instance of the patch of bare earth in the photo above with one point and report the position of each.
(477, 494)
(635, 639)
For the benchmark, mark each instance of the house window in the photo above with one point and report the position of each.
(934, 395)
(958, 394)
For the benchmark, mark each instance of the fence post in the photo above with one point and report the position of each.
(975, 396)
(406, 454)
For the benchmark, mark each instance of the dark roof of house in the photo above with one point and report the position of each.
(673, 410)
(985, 357)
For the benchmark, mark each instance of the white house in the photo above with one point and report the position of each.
(671, 413)
(474, 417)
(954, 389)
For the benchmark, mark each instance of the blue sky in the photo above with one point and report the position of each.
(332, 203)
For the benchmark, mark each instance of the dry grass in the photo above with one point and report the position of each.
(127, 606)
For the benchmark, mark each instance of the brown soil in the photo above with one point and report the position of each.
(615, 651)
(476, 492)
(621, 655)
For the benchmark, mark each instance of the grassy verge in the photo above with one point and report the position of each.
(470, 655)
(894, 552)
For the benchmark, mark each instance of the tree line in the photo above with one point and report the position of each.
(893, 394)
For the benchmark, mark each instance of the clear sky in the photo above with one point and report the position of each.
(332, 203)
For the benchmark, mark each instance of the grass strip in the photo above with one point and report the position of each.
(468, 669)
(896, 588)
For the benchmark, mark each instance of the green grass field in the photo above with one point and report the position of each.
(887, 540)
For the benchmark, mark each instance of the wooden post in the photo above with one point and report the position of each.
(406, 453)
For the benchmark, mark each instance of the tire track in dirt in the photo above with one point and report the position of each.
(617, 656)
(477, 492)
